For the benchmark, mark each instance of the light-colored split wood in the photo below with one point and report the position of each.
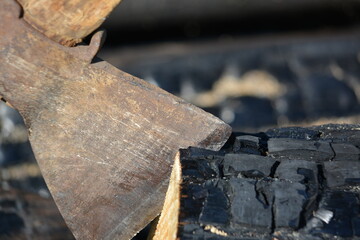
(168, 222)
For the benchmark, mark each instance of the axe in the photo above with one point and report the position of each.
(105, 141)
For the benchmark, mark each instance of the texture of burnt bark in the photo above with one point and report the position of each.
(286, 183)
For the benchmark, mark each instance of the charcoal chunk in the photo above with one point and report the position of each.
(338, 133)
(300, 149)
(199, 152)
(246, 208)
(247, 144)
(245, 163)
(199, 169)
(342, 172)
(290, 199)
(345, 206)
(191, 206)
(215, 208)
(294, 133)
(345, 152)
(291, 170)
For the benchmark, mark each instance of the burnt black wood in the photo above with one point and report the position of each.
(304, 186)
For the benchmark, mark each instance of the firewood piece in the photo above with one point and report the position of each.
(301, 199)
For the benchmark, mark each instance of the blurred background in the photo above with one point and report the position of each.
(255, 64)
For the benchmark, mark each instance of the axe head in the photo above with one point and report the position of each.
(105, 140)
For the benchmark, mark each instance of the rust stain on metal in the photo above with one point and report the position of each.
(105, 140)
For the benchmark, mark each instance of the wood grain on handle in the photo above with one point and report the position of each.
(67, 21)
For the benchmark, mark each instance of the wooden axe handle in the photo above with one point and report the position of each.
(67, 21)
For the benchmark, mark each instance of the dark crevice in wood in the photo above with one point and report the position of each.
(273, 169)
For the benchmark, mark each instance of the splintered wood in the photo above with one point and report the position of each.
(167, 225)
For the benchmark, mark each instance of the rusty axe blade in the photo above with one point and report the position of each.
(104, 140)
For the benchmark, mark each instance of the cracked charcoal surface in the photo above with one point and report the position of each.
(307, 187)
(345, 152)
(247, 144)
(247, 165)
(342, 173)
(299, 149)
